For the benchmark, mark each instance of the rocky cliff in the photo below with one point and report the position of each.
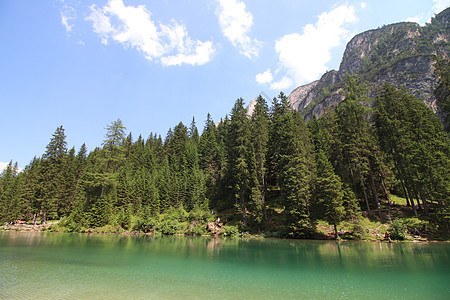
(401, 54)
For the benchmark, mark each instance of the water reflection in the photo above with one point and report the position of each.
(273, 253)
(60, 264)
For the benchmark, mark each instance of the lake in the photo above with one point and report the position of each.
(74, 266)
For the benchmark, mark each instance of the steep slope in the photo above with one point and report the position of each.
(400, 54)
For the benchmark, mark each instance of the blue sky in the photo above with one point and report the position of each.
(153, 63)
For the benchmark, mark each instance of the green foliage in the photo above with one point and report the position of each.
(413, 139)
(442, 91)
(268, 171)
(397, 230)
(230, 231)
(357, 233)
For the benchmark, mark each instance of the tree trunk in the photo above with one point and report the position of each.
(264, 199)
(424, 201)
(365, 196)
(412, 202)
(374, 191)
(244, 213)
(416, 196)
(388, 199)
(406, 193)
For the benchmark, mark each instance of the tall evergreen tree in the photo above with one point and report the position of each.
(259, 128)
(293, 164)
(357, 146)
(413, 139)
(239, 144)
(53, 176)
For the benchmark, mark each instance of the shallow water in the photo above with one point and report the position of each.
(74, 266)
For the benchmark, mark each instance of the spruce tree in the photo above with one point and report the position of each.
(239, 146)
(259, 128)
(412, 137)
(292, 167)
(53, 175)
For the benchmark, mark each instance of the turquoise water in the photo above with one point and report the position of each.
(81, 266)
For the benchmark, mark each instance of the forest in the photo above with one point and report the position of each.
(266, 173)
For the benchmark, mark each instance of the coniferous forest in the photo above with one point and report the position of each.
(266, 173)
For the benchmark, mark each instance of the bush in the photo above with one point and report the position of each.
(197, 229)
(397, 230)
(171, 227)
(137, 224)
(123, 219)
(356, 233)
(230, 231)
(109, 229)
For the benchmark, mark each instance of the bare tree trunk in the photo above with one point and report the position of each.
(365, 195)
(388, 199)
(374, 191)
(412, 202)
(416, 196)
(244, 213)
(264, 199)
(406, 193)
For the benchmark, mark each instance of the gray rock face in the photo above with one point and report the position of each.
(401, 54)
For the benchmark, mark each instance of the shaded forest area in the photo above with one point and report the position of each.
(268, 173)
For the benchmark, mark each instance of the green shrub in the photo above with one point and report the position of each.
(197, 229)
(123, 219)
(171, 227)
(357, 233)
(109, 229)
(230, 231)
(397, 230)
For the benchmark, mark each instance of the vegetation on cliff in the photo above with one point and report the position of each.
(402, 54)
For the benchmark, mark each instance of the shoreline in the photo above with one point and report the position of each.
(44, 227)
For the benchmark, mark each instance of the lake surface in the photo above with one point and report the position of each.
(74, 266)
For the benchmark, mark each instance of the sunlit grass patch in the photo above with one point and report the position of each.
(397, 200)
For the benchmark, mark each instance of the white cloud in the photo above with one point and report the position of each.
(440, 5)
(200, 55)
(415, 19)
(3, 166)
(303, 57)
(265, 77)
(282, 84)
(133, 27)
(236, 23)
(363, 5)
(68, 16)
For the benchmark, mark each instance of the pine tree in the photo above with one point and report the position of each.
(259, 128)
(328, 187)
(239, 144)
(113, 154)
(328, 191)
(9, 183)
(412, 137)
(292, 166)
(53, 175)
(356, 145)
(193, 132)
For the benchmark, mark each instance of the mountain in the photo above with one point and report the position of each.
(401, 54)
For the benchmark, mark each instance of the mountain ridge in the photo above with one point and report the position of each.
(401, 54)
